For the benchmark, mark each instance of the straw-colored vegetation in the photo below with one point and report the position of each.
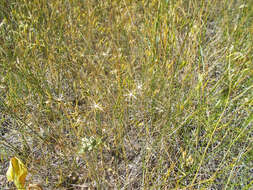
(128, 94)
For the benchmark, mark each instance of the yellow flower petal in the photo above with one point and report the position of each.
(17, 172)
(9, 173)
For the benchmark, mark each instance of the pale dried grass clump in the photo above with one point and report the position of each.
(127, 94)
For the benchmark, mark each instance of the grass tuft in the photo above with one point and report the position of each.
(128, 94)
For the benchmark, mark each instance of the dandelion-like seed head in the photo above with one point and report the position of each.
(131, 95)
(97, 107)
